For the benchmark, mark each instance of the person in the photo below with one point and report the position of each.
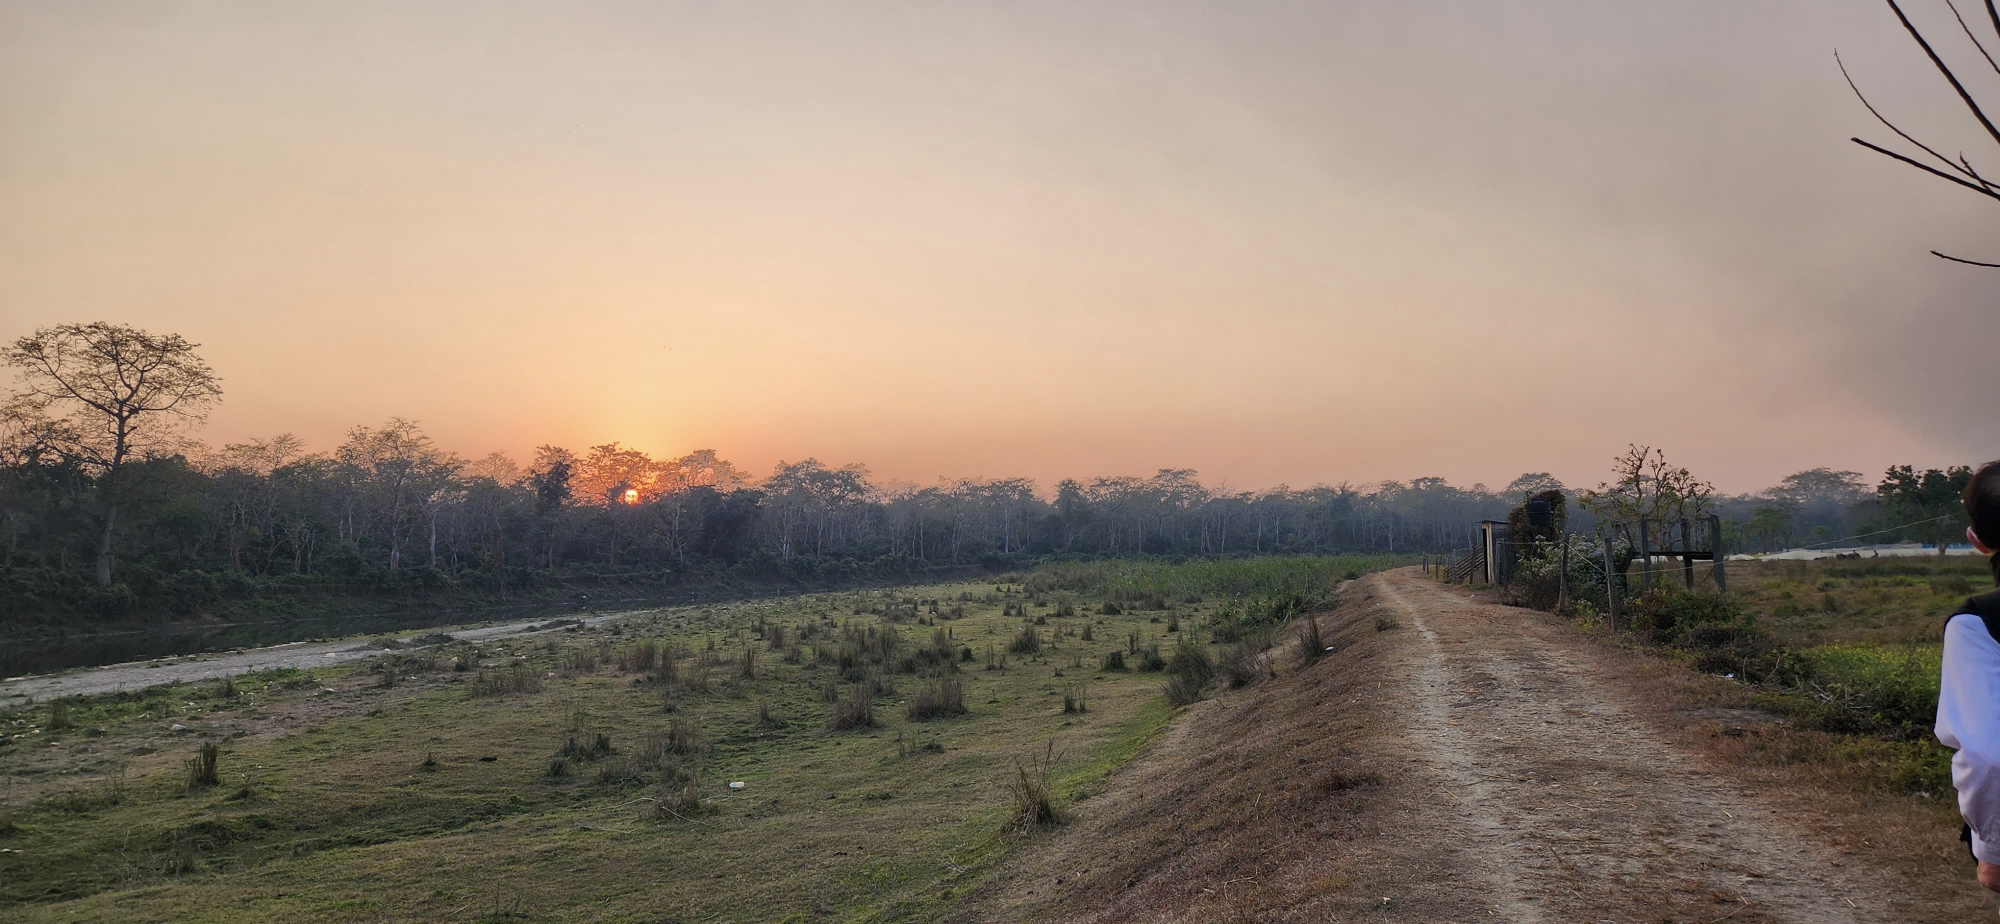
(1968, 716)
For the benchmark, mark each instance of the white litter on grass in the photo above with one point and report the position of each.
(738, 784)
(177, 727)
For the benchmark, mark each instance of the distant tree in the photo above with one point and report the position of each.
(1960, 170)
(496, 467)
(551, 476)
(603, 476)
(1926, 505)
(105, 393)
(1531, 483)
(550, 479)
(1646, 487)
(1520, 526)
(1770, 525)
(1820, 485)
(403, 479)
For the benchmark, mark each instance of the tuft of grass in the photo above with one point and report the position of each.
(516, 679)
(856, 710)
(203, 766)
(1114, 661)
(1191, 661)
(642, 658)
(59, 719)
(585, 745)
(1312, 645)
(1385, 622)
(1028, 641)
(1074, 700)
(679, 799)
(583, 660)
(1181, 693)
(939, 699)
(1035, 805)
(1238, 665)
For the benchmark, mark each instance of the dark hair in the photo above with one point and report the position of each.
(1982, 508)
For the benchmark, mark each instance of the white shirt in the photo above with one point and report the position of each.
(1968, 721)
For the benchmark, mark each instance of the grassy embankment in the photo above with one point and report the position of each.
(1849, 648)
(586, 774)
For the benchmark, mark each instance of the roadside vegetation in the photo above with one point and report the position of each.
(1847, 647)
(890, 747)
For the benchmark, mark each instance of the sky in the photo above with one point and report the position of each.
(1274, 242)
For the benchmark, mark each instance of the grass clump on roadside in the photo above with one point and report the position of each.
(1035, 805)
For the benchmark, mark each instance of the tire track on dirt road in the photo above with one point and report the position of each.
(1566, 808)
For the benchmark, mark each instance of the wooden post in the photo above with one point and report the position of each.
(1715, 539)
(1562, 577)
(1645, 559)
(1610, 586)
(1687, 554)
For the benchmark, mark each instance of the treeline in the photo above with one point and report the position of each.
(109, 509)
(390, 511)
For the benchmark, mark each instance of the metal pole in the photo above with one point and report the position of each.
(1645, 559)
(1562, 577)
(1610, 586)
(1687, 554)
(1715, 539)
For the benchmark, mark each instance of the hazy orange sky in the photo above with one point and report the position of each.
(1275, 242)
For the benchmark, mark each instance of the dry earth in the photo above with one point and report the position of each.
(1455, 761)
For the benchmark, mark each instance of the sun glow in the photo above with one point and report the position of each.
(631, 496)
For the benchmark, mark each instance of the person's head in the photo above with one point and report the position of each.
(1982, 510)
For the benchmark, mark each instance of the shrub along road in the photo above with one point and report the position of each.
(1456, 760)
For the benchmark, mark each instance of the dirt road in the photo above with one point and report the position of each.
(1454, 760)
(1569, 809)
(302, 655)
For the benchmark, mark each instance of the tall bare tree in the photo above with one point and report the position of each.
(1959, 170)
(110, 392)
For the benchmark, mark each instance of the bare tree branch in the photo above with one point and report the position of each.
(1974, 38)
(1964, 261)
(1892, 126)
(1975, 187)
(1977, 113)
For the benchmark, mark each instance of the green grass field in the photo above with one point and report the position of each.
(572, 775)
(1844, 646)
(1881, 601)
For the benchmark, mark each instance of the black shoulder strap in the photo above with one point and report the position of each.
(1987, 608)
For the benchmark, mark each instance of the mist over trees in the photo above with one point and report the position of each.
(109, 509)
